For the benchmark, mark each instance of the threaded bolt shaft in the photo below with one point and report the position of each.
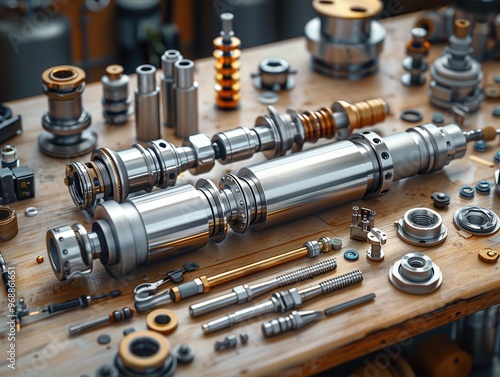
(307, 272)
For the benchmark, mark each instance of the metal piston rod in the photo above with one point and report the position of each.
(166, 222)
(113, 175)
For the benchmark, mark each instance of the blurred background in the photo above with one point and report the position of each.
(38, 34)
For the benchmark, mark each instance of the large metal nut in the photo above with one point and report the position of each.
(205, 154)
(416, 274)
(422, 227)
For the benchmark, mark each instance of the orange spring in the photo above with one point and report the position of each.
(318, 124)
(227, 77)
(366, 113)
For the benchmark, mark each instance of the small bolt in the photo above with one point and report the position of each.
(39, 259)
(244, 337)
(229, 341)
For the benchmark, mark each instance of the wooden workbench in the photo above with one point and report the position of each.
(44, 348)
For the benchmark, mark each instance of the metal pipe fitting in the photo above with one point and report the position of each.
(345, 41)
(274, 74)
(186, 99)
(422, 227)
(456, 75)
(153, 226)
(147, 104)
(113, 175)
(415, 65)
(168, 59)
(65, 123)
(116, 101)
(416, 274)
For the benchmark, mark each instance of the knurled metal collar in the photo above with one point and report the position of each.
(347, 10)
(477, 220)
(63, 77)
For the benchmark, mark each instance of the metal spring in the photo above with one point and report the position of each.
(307, 272)
(368, 112)
(342, 281)
(227, 77)
(318, 124)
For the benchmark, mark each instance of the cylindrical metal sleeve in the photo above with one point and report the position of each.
(312, 180)
(147, 115)
(186, 111)
(176, 220)
(141, 168)
(236, 145)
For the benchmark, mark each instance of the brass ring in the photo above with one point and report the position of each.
(8, 223)
(163, 321)
(143, 350)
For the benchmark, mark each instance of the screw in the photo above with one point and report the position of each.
(228, 342)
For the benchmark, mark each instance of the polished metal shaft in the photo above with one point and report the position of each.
(115, 316)
(113, 175)
(246, 292)
(284, 301)
(147, 104)
(168, 59)
(167, 222)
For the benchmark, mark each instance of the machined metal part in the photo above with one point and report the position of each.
(345, 41)
(147, 104)
(456, 75)
(113, 175)
(415, 273)
(422, 227)
(227, 65)
(9, 157)
(441, 200)
(184, 353)
(168, 59)
(65, 124)
(10, 126)
(376, 238)
(414, 64)
(163, 321)
(166, 222)
(115, 316)
(274, 74)
(467, 192)
(116, 101)
(362, 223)
(229, 341)
(185, 99)
(203, 284)
(284, 301)
(247, 292)
(296, 320)
(479, 221)
(145, 353)
(483, 187)
(8, 223)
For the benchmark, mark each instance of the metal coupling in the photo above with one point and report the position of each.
(456, 76)
(9, 157)
(422, 227)
(414, 64)
(113, 175)
(345, 41)
(168, 59)
(116, 101)
(274, 74)
(65, 124)
(227, 55)
(166, 222)
(147, 104)
(362, 223)
(186, 99)
(416, 274)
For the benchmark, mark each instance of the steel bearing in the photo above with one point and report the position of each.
(422, 227)
(477, 220)
(416, 274)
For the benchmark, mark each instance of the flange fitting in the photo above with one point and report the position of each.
(344, 41)
(477, 220)
(422, 227)
(66, 121)
(416, 274)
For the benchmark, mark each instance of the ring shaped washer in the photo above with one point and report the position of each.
(163, 321)
(415, 273)
(411, 116)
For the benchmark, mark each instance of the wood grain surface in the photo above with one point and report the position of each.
(44, 348)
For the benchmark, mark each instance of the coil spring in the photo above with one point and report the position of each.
(341, 281)
(227, 77)
(318, 124)
(307, 272)
(367, 113)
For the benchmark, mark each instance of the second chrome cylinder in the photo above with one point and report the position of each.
(147, 104)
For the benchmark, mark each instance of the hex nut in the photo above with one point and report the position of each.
(415, 273)
(205, 154)
(184, 353)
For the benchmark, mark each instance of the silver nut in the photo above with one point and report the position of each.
(205, 154)
(241, 293)
(416, 274)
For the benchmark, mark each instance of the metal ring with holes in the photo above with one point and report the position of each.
(422, 227)
(8, 223)
(477, 220)
(415, 273)
(411, 116)
(163, 321)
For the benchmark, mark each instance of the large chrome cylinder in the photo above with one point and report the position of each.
(185, 218)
